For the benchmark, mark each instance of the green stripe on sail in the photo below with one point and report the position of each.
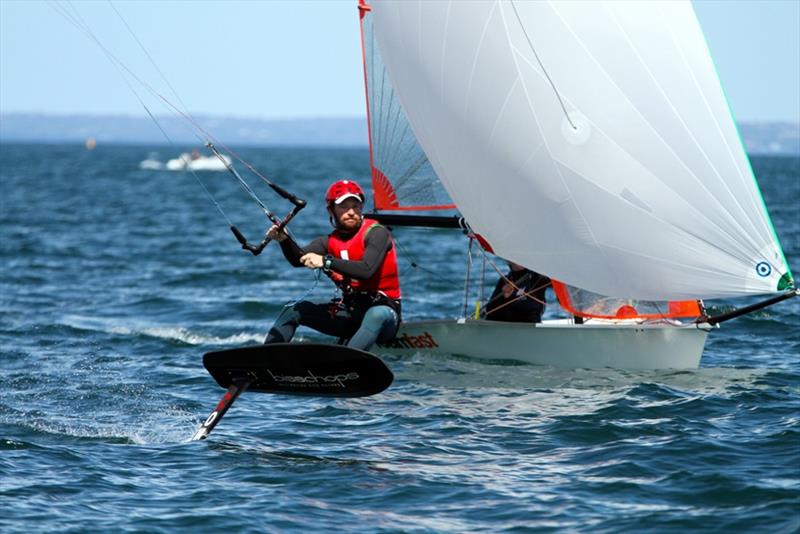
(786, 282)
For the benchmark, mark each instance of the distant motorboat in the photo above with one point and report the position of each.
(151, 163)
(195, 161)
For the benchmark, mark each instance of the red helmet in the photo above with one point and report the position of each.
(338, 191)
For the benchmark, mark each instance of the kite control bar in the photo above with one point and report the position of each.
(256, 249)
(299, 204)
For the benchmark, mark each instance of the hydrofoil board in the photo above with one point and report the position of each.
(312, 369)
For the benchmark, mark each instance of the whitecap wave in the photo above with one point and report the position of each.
(179, 333)
(161, 426)
(168, 332)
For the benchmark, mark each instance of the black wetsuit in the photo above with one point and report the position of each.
(522, 309)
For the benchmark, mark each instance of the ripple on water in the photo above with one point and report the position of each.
(102, 386)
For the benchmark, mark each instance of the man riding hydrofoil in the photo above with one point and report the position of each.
(360, 257)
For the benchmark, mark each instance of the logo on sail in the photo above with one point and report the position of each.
(763, 269)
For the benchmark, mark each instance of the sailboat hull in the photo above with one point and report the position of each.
(558, 343)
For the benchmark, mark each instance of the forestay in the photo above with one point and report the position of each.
(587, 140)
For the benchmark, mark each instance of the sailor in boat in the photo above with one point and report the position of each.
(518, 297)
(359, 256)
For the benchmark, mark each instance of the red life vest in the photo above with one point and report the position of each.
(385, 280)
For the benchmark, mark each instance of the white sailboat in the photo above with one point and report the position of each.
(590, 141)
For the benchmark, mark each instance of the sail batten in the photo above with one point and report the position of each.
(590, 141)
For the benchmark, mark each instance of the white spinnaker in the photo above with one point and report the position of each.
(644, 192)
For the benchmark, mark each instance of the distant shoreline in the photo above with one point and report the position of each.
(760, 138)
(183, 147)
(119, 129)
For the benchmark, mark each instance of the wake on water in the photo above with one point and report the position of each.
(89, 407)
(160, 414)
(456, 371)
(166, 332)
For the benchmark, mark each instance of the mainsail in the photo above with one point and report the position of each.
(587, 140)
(402, 176)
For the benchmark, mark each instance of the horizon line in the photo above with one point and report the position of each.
(262, 118)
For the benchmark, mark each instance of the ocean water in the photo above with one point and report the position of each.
(116, 280)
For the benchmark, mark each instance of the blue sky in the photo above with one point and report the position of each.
(302, 59)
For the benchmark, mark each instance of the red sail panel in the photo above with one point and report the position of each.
(583, 303)
(402, 176)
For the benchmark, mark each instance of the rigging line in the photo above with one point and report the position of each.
(81, 25)
(415, 265)
(241, 181)
(467, 277)
(553, 85)
(506, 280)
(78, 21)
(483, 279)
(155, 65)
(317, 276)
(152, 61)
(524, 295)
(85, 28)
(199, 181)
(238, 158)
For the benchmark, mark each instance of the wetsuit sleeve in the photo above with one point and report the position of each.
(376, 244)
(292, 251)
(496, 299)
(518, 308)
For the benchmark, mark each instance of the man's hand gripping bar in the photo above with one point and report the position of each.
(299, 204)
